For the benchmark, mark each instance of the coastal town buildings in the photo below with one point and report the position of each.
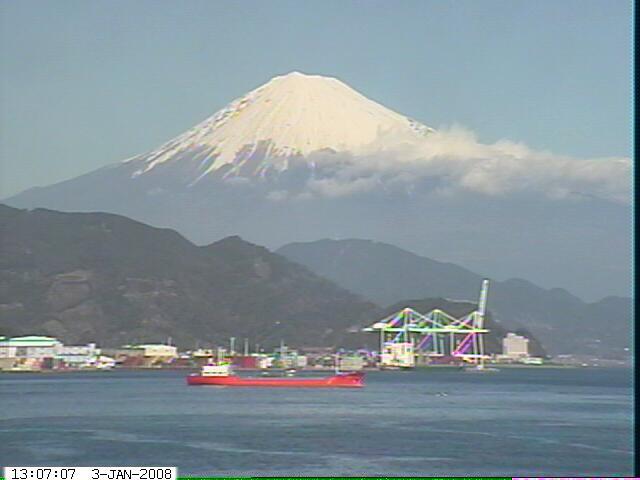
(144, 355)
(47, 353)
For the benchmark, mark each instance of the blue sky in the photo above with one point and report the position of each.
(87, 83)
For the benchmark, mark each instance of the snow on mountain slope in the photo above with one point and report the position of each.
(332, 141)
(303, 136)
(290, 116)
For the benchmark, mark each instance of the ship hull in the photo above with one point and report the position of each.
(350, 380)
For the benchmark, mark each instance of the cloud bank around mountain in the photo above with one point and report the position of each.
(453, 160)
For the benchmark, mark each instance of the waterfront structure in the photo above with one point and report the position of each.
(42, 353)
(82, 356)
(29, 352)
(350, 363)
(201, 353)
(532, 360)
(515, 349)
(515, 346)
(253, 361)
(29, 347)
(159, 351)
(408, 333)
(398, 354)
(284, 357)
(145, 355)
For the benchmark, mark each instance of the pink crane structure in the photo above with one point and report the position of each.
(437, 333)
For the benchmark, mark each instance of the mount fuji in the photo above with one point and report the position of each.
(304, 157)
(274, 127)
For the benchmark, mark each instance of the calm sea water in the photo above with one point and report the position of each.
(521, 422)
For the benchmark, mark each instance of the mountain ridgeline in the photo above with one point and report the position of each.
(100, 277)
(386, 274)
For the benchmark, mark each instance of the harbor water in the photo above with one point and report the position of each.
(428, 422)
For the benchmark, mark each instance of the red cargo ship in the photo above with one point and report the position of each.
(221, 375)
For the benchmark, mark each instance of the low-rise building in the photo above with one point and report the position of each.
(145, 355)
(399, 354)
(29, 352)
(29, 347)
(158, 350)
(283, 357)
(350, 363)
(40, 352)
(79, 356)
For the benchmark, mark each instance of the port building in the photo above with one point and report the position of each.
(144, 355)
(29, 347)
(42, 353)
(515, 346)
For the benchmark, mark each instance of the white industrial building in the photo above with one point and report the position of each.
(156, 350)
(398, 355)
(29, 347)
(40, 352)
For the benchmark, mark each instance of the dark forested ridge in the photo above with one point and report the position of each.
(105, 278)
(102, 277)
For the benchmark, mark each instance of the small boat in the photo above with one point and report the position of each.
(480, 368)
(222, 375)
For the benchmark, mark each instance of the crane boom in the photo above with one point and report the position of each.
(482, 304)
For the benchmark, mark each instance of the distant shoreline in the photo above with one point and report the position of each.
(249, 370)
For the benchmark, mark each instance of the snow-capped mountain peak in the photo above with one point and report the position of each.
(291, 115)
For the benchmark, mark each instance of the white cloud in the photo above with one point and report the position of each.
(339, 187)
(458, 162)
